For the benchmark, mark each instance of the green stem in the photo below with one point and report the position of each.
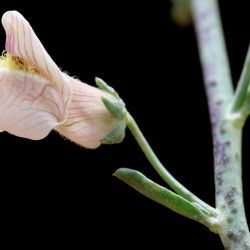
(161, 170)
(233, 228)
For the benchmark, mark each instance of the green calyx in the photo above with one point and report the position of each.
(116, 107)
(105, 87)
(116, 135)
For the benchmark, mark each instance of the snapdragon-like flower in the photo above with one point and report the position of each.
(36, 96)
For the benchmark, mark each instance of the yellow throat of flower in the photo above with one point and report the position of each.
(17, 63)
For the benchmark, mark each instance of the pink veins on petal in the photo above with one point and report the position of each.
(36, 96)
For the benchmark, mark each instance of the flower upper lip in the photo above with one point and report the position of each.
(21, 41)
(38, 97)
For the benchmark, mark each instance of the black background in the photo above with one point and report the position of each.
(54, 193)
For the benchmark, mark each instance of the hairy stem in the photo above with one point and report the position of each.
(233, 228)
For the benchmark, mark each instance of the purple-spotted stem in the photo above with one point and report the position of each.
(227, 135)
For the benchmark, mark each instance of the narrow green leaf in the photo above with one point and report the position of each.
(240, 102)
(161, 195)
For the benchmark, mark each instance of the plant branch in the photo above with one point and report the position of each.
(233, 228)
(161, 170)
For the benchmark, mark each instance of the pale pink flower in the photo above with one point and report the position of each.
(36, 96)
